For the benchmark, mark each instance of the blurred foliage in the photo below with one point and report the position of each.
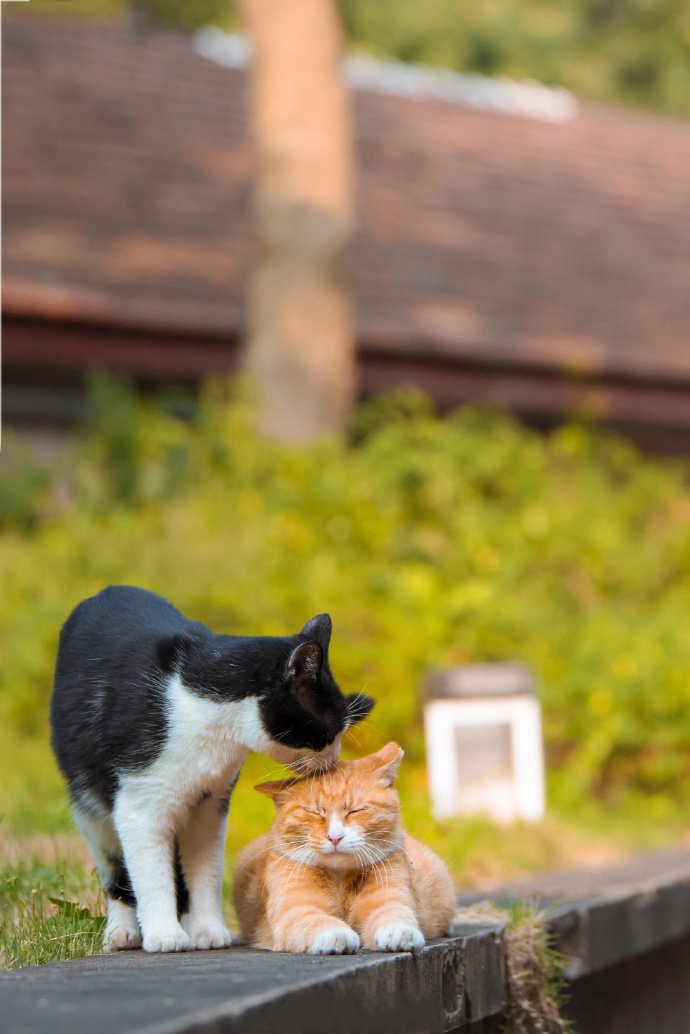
(101, 10)
(23, 487)
(431, 541)
(634, 51)
(187, 14)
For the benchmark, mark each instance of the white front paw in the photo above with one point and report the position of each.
(337, 940)
(167, 939)
(209, 933)
(398, 937)
(121, 938)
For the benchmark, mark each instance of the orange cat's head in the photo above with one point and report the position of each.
(348, 818)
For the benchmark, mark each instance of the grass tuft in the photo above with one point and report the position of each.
(534, 969)
(39, 920)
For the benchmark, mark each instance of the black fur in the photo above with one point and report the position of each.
(108, 710)
(119, 885)
(181, 890)
(224, 802)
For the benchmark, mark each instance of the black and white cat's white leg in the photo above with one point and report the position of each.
(146, 833)
(121, 928)
(202, 844)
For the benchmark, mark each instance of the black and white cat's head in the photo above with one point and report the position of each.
(292, 708)
(305, 713)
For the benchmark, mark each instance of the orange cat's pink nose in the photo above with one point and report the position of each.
(335, 838)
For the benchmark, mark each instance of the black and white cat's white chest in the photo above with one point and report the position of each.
(201, 755)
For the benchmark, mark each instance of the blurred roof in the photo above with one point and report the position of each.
(490, 236)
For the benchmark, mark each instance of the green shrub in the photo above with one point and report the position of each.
(430, 541)
(24, 486)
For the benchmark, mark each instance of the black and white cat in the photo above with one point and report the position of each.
(152, 716)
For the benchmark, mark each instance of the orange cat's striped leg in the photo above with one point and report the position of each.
(383, 910)
(301, 910)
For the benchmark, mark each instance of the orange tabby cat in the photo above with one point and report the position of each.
(336, 869)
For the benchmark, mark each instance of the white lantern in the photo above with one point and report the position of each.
(484, 743)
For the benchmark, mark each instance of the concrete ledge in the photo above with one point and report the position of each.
(625, 930)
(445, 987)
(602, 917)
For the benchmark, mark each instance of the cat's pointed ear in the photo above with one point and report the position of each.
(276, 788)
(303, 666)
(386, 762)
(358, 707)
(319, 629)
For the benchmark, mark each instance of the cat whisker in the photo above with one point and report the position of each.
(379, 859)
(383, 859)
(362, 713)
(280, 736)
(394, 846)
(351, 736)
(385, 842)
(364, 852)
(361, 859)
(381, 874)
(297, 866)
(264, 851)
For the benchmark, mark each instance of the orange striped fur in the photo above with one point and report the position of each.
(336, 869)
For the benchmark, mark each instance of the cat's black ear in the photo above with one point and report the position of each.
(358, 707)
(319, 629)
(170, 652)
(303, 666)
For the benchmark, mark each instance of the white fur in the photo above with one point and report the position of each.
(166, 939)
(121, 928)
(336, 830)
(206, 745)
(100, 835)
(304, 761)
(353, 842)
(210, 934)
(201, 850)
(336, 940)
(398, 937)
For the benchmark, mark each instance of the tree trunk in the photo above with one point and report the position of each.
(299, 350)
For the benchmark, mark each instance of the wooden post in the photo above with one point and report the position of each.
(299, 349)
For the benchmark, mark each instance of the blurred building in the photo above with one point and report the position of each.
(532, 260)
